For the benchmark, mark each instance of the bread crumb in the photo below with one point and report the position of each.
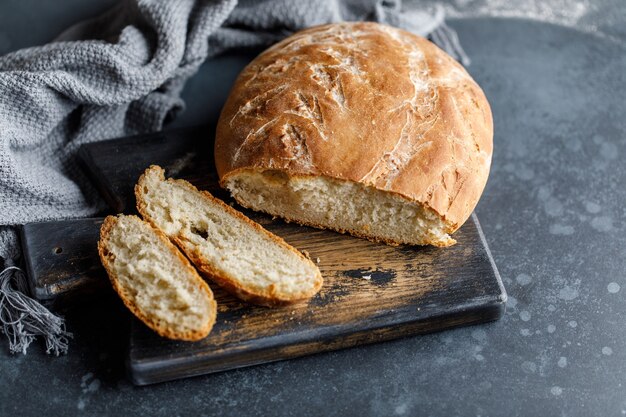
(306, 253)
(180, 163)
(368, 277)
(317, 260)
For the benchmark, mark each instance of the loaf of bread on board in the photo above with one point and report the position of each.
(359, 128)
(154, 280)
(226, 246)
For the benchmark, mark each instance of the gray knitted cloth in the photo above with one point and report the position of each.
(122, 74)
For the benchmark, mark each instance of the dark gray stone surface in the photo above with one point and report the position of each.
(553, 213)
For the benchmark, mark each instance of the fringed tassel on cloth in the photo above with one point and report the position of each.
(23, 318)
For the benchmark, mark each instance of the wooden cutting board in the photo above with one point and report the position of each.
(372, 292)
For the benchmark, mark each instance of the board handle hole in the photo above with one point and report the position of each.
(58, 250)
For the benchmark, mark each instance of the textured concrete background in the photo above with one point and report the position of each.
(553, 213)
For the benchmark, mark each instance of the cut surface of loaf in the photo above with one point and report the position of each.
(154, 280)
(343, 206)
(365, 119)
(229, 248)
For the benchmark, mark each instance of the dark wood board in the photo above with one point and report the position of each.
(61, 261)
(115, 165)
(411, 291)
(372, 292)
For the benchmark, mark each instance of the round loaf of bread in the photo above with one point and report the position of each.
(359, 128)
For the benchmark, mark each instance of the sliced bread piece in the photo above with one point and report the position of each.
(154, 280)
(229, 248)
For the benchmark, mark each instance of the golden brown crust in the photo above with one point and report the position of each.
(271, 297)
(367, 103)
(106, 257)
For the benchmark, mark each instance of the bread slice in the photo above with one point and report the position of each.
(154, 280)
(229, 248)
